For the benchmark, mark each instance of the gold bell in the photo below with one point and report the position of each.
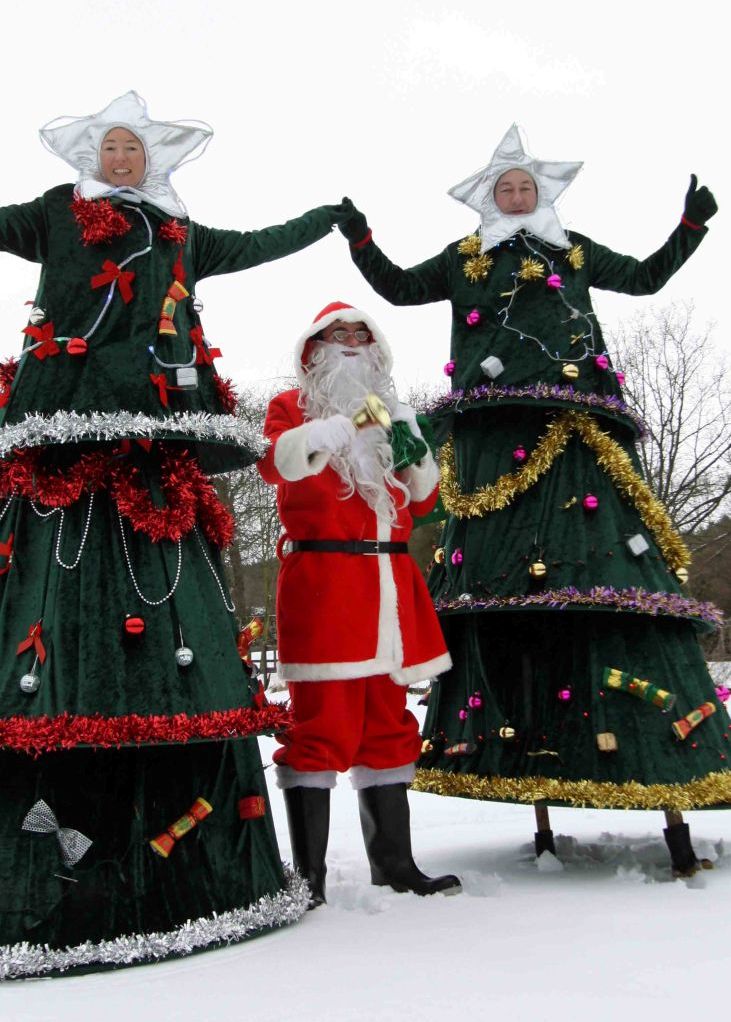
(537, 570)
(682, 575)
(426, 747)
(570, 371)
(373, 413)
(439, 555)
(507, 733)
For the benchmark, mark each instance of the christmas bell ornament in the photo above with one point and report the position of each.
(37, 315)
(564, 695)
(475, 701)
(570, 371)
(449, 367)
(492, 366)
(373, 413)
(590, 502)
(77, 346)
(134, 626)
(554, 281)
(457, 556)
(601, 362)
(30, 683)
(682, 575)
(463, 714)
(519, 454)
(507, 733)
(473, 318)
(426, 746)
(439, 555)
(620, 377)
(537, 570)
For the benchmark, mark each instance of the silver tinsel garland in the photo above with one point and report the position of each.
(25, 960)
(70, 427)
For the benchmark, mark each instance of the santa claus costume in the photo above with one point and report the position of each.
(354, 619)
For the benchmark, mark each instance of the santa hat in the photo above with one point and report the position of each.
(346, 314)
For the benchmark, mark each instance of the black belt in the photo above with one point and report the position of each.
(346, 546)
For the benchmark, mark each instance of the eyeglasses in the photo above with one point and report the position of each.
(340, 336)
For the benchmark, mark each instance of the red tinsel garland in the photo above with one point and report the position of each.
(226, 394)
(173, 230)
(98, 220)
(190, 497)
(36, 735)
(8, 370)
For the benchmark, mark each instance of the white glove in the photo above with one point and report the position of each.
(405, 413)
(331, 434)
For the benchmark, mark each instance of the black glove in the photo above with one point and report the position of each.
(340, 212)
(699, 203)
(354, 225)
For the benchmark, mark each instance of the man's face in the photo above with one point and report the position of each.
(351, 336)
(122, 158)
(515, 193)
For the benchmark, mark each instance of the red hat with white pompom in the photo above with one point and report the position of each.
(330, 314)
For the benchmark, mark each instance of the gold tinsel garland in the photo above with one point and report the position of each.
(610, 456)
(704, 792)
(575, 257)
(531, 269)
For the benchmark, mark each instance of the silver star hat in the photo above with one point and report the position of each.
(551, 180)
(167, 144)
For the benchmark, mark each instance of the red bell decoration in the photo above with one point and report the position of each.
(462, 714)
(457, 556)
(519, 454)
(590, 502)
(601, 362)
(134, 626)
(564, 695)
(77, 346)
(473, 318)
(475, 702)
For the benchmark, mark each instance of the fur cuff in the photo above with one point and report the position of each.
(367, 777)
(421, 478)
(292, 459)
(288, 777)
(420, 672)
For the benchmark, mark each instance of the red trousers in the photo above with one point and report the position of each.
(341, 724)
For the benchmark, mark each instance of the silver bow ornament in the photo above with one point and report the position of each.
(41, 819)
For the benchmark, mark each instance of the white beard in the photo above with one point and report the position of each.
(337, 383)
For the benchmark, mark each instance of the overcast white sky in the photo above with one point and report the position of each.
(390, 103)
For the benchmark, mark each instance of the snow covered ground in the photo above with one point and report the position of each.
(607, 936)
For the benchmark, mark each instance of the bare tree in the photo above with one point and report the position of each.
(681, 385)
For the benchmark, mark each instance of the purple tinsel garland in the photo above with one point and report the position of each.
(636, 600)
(538, 391)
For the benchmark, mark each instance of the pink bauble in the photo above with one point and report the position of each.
(620, 378)
(449, 367)
(554, 281)
(457, 556)
(519, 454)
(462, 714)
(564, 694)
(722, 693)
(475, 701)
(601, 362)
(590, 502)
(473, 318)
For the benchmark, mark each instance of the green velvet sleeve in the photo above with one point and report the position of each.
(613, 272)
(23, 230)
(216, 251)
(427, 282)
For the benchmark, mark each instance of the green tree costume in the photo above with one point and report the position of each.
(558, 578)
(110, 575)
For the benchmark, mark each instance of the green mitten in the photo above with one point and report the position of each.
(700, 204)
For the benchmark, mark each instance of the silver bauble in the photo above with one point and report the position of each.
(183, 656)
(37, 315)
(30, 683)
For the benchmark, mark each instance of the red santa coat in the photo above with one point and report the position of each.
(343, 616)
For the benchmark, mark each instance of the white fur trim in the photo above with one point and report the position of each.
(292, 459)
(421, 478)
(390, 643)
(367, 777)
(288, 777)
(420, 672)
(347, 316)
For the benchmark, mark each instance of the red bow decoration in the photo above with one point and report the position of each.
(6, 550)
(160, 381)
(33, 639)
(44, 335)
(114, 272)
(204, 356)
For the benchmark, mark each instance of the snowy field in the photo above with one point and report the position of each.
(607, 936)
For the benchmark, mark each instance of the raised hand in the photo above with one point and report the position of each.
(700, 204)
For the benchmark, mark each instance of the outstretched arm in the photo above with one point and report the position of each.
(613, 272)
(23, 230)
(427, 282)
(216, 251)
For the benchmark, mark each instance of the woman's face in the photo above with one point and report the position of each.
(515, 193)
(122, 158)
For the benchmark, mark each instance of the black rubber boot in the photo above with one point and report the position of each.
(544, 842)
(385, 821)
(308, 816)
(683, 858)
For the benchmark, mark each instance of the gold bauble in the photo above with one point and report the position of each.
(537, 569)
(682, 575)
(439, 555)
(507, 733)
(570, 371)
(426, 746)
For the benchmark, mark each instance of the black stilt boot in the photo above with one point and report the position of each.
(308, 816)
(683, 858)
(543, 840)
(385, 821)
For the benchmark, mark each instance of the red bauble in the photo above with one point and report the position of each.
(77, 346)
(134, 626)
